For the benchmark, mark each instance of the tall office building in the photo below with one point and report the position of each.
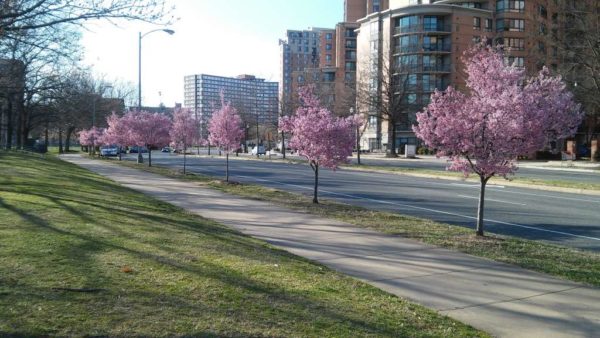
(420, 43)
(255, 99)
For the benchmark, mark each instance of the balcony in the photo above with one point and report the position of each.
(434, 48)
(422, 68)
(424, 28)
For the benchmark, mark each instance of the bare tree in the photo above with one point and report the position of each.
(23, 15)
(385, 90)
(577, 45)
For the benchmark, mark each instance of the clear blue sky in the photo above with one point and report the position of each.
(220, 37)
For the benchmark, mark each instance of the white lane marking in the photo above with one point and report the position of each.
(552, 196)
(476, 185)
(425, 209)
(491, 200)
(467, 185)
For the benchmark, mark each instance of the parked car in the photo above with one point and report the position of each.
(165, 150)
(134, 150)
(258, 150)
(109, 151)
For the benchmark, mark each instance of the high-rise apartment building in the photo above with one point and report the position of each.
(255, 99)
(333, 71)
(300, 50)
(417, 45)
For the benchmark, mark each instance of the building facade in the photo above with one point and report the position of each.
(416, 46)
(331, 65)
(255, 99)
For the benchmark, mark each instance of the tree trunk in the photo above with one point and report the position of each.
(149, 156)
(391, 140)
(9, 124)
(60, 142)
(140, 158)
(357, 145)
(227, 167)
(46, 140)
(283, 144)
(68, 139)
(209, 149)
(184, 160)
(479, 229)
(120, 154)
(315, 168)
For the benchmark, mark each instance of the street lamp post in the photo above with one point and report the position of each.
(140, 37)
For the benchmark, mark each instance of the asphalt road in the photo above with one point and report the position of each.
(563, 218)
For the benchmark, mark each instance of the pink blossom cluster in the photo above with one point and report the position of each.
(185, 130)
(323, 139)
(225, 127)
(503, 116)
(91, 137)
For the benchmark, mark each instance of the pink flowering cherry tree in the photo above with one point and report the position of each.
(91, 138)
(323, 139)
(503, 116)
(225, 130)
(148, 130)
(116, 133)
(185, 131)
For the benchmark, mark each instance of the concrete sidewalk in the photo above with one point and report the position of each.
(503, 300)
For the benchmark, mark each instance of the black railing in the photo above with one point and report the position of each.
(422, 68)
(444, 47)
(439, 27)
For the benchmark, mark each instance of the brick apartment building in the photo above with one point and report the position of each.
(422, 41)
(326, 58)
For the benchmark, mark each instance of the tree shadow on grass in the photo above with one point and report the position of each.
(286, 303)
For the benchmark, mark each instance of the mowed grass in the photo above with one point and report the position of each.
(563, 262)
(83, 256)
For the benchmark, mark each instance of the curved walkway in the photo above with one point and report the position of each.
(501, 299)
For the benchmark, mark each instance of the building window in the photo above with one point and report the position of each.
(328, 46)
(514, 43)
(376, 5)
(476, 23)
(488, 25)
(513, 25)
(350, 65)
(328, 57)
(328, 36)
(542, 11)
(300, 78)
(510, 6)
(408, 23)
(350, 55)
(329, 77)
(516, 61)
(349, 76)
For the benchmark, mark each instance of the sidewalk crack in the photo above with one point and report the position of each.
(508, 300)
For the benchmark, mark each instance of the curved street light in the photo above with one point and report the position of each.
(140, 37)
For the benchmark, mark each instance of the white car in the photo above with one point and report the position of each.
(109, 151)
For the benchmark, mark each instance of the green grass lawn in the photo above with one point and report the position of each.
(83, 256)
(560, 261)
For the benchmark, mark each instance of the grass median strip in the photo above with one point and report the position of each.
(559, 261)
(84, 256)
